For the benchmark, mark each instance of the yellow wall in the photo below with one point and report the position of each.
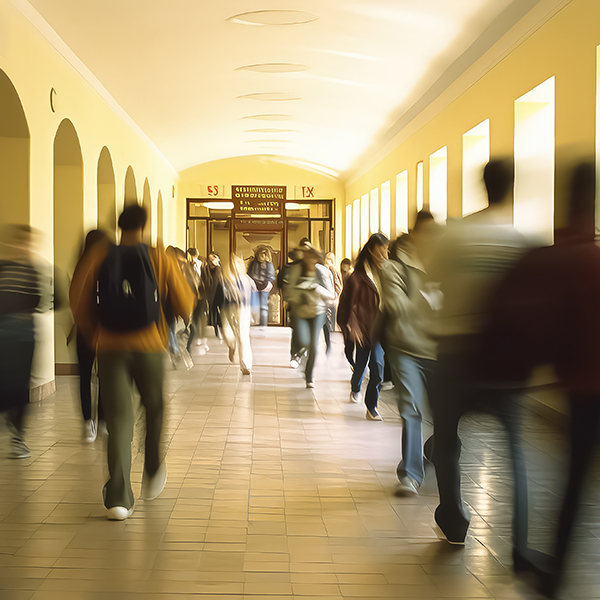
(256, 170)
(34, 67)
(563, 46)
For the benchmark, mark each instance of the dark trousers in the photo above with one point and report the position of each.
(349, 352)
(85, 358)
(197, 322)
(373, 357)
(585, 418)
(453, 393)
(309, 331)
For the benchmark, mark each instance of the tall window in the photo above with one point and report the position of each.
(374, 210)
(419, 186)
(386, 209)
(364, 219)
(402, 203)
(348, 237)
(438, 184)
(355, 226)
(534, 162)
(476, 153)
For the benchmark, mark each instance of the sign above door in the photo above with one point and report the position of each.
(258, 200)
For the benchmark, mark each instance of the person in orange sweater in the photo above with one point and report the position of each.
(127, 352)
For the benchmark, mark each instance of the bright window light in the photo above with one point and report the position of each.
(355, 226)
(374, 210)
(364, 219)
(402, 203)
(534, 163)
(438, 184)
(598, 139)
(476, 154)
(348, 233)
(386, 209)
(419, 186)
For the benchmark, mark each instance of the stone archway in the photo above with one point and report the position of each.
(107, 198)
(130, 187)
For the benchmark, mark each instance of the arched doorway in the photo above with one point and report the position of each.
(159, 220)
(68, 232)
(14, 156)
(130, 188)
(107, 200)
(147, 204)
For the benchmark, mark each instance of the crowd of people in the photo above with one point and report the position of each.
(460, 315)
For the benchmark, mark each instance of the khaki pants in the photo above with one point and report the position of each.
(118, 371)
(236, 332)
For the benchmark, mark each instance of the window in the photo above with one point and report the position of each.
(355, 227)
(419, 186)
(374, 210)
(348, 238)
(402, 203)
(364, 219)
(386, 209)
(476, 154)
(438, 184)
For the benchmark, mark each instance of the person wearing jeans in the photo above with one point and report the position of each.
(128, 357)
(359, 317)
(409, 301)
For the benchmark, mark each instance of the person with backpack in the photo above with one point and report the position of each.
(410, 300)
(262, 271)
(117, 298)
(295, 257)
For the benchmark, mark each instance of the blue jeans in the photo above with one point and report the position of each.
(372, 356)
(263, 300)
(410, 376)
(309, 331)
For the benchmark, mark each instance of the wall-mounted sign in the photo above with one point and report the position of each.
(213, 190)
(258, 199)
(304, 192)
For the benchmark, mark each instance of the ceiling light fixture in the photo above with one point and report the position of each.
(269, 141)
(271, 130)
(273, 17)
(270, 96)
(275, 68)
(270, 117)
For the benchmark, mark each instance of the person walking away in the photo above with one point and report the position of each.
(295, 257)
(117, 297)
(212, 282)
(546, 312)
(262, 271)
(475, 255)
(409, 302)
(308, 290)
(197, 328)
(330, 322)
(237, 313)
(86, 357)
(359, 318)
(19, 298)
(345, 271)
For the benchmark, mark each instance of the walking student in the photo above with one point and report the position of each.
(359, 317)
(127, 285)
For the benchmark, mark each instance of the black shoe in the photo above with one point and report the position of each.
(532, 561)
(455, 533)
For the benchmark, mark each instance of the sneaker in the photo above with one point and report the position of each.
(153, 486)
(407, 486)
(356, 397)
(231, 354)
(102, 429)
(246, 372)
(294, 362)
(456, 532)
(373, 415)
(119, 513)
(310, 385)
(386, 386)
(90, 430)
(19, 449)
(202, 351)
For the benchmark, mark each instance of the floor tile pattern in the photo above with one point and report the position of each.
(274, 491)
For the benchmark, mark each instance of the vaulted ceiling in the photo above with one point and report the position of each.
(318, 81)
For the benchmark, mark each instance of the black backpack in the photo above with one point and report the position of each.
(127, 296)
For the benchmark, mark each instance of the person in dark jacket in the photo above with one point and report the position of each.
(212, 283)
(262, 271)
(359, 317)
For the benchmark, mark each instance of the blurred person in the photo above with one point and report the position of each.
(197, 328)
(212, 284)
(308, 289)
(476, 253)
(237, 313)
(295, 257)
(117, 297)
(410, 300)
(86, 356)
(332, 306)
(345, 271)
(262, 271)
(359, 317)
(19, 298)
(546, 312)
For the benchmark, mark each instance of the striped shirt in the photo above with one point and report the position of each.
(19, 288)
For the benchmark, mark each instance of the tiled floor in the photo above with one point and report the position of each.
(274, 491)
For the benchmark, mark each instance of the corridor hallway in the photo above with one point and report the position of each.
(274, 491)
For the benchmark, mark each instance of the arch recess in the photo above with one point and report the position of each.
(147, 204)
(159, 220)
(107, 198)
(130, 187)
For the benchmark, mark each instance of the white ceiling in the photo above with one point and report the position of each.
(174, 67)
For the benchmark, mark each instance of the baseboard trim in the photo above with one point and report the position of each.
(66, 369)
(41, 392)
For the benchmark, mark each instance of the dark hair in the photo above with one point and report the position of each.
(133, 217)
(498, 177)
(345, 261)
(192, 252)
(423, 217)
(93, 237)
(377, 239)
(582, 193)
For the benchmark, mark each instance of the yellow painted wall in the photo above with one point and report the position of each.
(34, 67)
(563, 46)
(257, 170)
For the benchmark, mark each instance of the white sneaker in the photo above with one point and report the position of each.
(119, 513)
(202, 351)
(90, 430)
(373, 415)
(310, 385)
(386, 386)
(407, 486)
(356, 397)
(19, 448)
(153, 486)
